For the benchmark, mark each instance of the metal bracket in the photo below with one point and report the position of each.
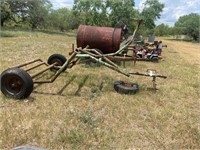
(154, 83)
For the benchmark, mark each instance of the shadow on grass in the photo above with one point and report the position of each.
(66, 85)
(59, 92)
(81, 85)
(77, 92)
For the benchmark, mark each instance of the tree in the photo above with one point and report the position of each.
(34, 12)
(38, 12)
(188, 25)
(151, 12)
(162, 30)
(122, 10)
(104, 12)
(61, 19)
(90, 12)
(5, 12)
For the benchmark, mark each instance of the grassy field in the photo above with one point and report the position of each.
(81, 110)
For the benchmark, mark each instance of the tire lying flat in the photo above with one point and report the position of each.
(124, 87)
(16, 83)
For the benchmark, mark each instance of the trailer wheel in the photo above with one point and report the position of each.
(154, 59)
(58, 58)
(16, 83)
(126, 87)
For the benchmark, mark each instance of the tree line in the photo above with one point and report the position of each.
(39, 14)
(186, 25)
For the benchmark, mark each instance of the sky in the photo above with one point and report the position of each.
(172, 11)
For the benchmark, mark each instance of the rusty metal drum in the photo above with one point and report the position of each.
(105, 39)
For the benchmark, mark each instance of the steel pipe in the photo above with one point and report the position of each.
(27, 63)
(42, 71)
(33, 67)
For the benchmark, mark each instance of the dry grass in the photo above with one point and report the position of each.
(80, 110)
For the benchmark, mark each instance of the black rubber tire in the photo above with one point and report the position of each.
(126, 87)
(154, 59)
(58, 58)
(16, 83)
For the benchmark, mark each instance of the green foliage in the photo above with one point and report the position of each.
(90, 12)
(121, 11)
(151, 12)
(162, 30)
(188, 25)
(75, 137)
(89, 119)
(34, 12)
(104, 12)
(5, 12)
(61, 19)
(38, 12)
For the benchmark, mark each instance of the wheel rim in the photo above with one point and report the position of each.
(58, 62)
(13, 84)
(128, 84)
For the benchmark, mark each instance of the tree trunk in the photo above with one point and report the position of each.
(2, 23)
(34, 26)
(195, 37)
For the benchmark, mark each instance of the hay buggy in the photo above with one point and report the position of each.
(97, 44)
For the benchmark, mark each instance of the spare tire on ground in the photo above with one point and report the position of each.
(126, 87)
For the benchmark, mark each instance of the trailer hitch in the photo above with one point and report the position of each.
(150, 73)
